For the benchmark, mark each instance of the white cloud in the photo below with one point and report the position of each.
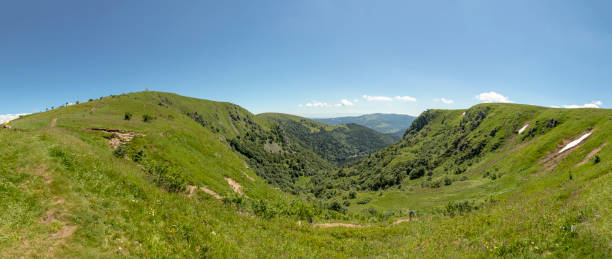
(317, 104)
(314, 104)
(345, 102)
(9, 117)
(377, 98)
(493, 97)
(405, 98)
(595, 104)
(444, 100)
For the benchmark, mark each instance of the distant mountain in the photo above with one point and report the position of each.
(392, 125)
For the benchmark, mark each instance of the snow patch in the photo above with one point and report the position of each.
(574, 143)
(523, 128)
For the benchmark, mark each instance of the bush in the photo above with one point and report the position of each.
(447, 181)
(364, 200)
(147, 118)
(120, 151)
(166, 177)
(352, 195)
(127, 116)
(459, 208)
(596, 159)
(436, 184)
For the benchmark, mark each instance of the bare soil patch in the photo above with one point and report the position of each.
(235, 185)
(247, 176)
(211, 193)
(53, 123)
(118, 137)
(590, 155)
(331, 225)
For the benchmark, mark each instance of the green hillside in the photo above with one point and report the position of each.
(160, 175)
(338, 144)
(392, 125)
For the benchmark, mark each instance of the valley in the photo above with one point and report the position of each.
(152, 174)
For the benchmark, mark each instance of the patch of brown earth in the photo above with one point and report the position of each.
(331, 225)
(42, 172)
(53, 123)
(590, 155)
(190, 190)
(233, 127)
(211, 193)
(247, 176)
(235, 185)
(118, 137)
(65, 232)
(49, 217)
(403, 220)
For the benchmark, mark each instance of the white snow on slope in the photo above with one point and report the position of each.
(574, 143)
(523, 128)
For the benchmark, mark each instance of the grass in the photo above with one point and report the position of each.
(54, 179)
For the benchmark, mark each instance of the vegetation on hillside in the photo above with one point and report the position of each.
(339, 144)
(89, 181)
(392, 125)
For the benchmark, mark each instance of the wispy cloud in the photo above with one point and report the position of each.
(317, 104)
(377, 98)
(444, 100)
(9, 117)
(595, 104)
(345, 102)
(405, 98)
(493, 97)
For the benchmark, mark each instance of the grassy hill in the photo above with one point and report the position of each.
(340, 144)
(392, 125)
(83, 181)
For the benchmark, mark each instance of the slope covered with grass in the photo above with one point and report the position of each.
(392, 125)
(339, 144)
(82, 181)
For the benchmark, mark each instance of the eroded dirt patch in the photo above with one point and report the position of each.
(331, 225)
(591, 154)
(235, 185)
(53, 123)
(247, 176)
(118, 137)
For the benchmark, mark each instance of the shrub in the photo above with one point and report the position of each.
(436, 184)
(596, 159)
(127, 116)
(147, 118)
(364, 200)
(120, 151)
(352, 195)
(447, 181)
(459, 208)
(166, 177)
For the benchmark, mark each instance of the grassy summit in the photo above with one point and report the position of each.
(132, 175)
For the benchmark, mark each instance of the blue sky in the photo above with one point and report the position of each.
(313, 58)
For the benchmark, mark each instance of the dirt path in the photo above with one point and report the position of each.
(53, 123)
(331, 225)
(591, 154)
(247, 176)
(235, 185)
(211, 193)
(403, 220)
